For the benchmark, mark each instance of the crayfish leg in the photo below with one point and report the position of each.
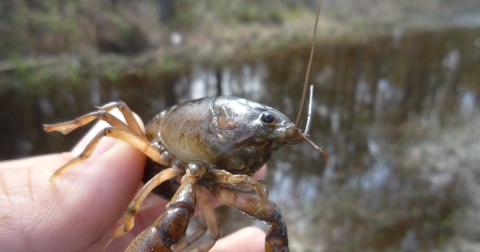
(101, 114)
(185, 243)
(276, 239)
(243, 183)
(208, 221)
(172, 225)
(67, 127)
(118, 133)
(127, 114)
(134, 206)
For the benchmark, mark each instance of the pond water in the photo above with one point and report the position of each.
(381, 105)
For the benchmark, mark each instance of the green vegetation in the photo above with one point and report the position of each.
(52, 27)
(83, 35)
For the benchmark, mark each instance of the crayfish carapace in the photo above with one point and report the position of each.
(216, 143)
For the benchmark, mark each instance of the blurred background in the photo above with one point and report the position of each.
(395, 105)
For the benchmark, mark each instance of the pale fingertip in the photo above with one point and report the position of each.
(260, 174)
(249, 239)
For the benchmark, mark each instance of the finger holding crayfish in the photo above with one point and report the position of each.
(59, 216)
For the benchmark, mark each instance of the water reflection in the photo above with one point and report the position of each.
(375, 100)
(468, 101)
(245, 81)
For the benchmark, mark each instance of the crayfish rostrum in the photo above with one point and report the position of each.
(216, 143)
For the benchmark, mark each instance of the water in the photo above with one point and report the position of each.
(396, 113)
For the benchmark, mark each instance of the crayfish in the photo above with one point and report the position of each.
(216, 143)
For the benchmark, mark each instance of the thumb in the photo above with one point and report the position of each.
(74, 210)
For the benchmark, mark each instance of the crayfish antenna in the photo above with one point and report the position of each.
(309, 112)
(309, 66)
(324, 152)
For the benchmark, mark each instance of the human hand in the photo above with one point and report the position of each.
(80, 209)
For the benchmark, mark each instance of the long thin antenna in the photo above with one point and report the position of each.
(307, 76)
(309, 111)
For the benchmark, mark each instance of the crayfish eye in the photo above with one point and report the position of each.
(267, 118)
